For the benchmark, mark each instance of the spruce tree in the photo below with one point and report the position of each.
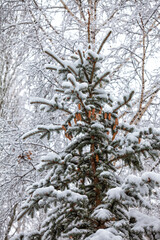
(83, 194)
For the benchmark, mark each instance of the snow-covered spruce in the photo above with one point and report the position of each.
(83, 195)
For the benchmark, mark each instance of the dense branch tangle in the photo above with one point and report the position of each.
(144, 95)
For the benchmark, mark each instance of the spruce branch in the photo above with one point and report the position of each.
(49, 103)
(54, 56)
(80, 55)
(41, 101)
(50, 67)
(123, 156)
(41, 129)
(72, 82)
(31, 133)
(85, 73)
(155, 166)
(79, 98)
(59, 90)
(83, 106)
(103, 42)
(93, 69)
(72, 70)
(100, 79)
(81, 58)
(125, 102)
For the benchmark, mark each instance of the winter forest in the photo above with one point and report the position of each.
(80, 120)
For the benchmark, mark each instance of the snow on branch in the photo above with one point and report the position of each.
(41, 129)
(105, 234)
(66, 195)
(50, 66)
(143, 223)
(124, 102)
(53, 55)
(42, 101)
(101, 78)
(55, 105)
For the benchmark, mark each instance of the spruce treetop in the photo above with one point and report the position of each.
(83, 193)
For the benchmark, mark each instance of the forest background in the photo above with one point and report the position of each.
(26, 28)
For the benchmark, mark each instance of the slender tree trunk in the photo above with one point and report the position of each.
(12, 217)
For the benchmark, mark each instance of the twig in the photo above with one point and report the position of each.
(71, 13)
(88, 29)
(12, 217)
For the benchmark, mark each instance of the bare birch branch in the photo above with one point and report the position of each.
(71, 13)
